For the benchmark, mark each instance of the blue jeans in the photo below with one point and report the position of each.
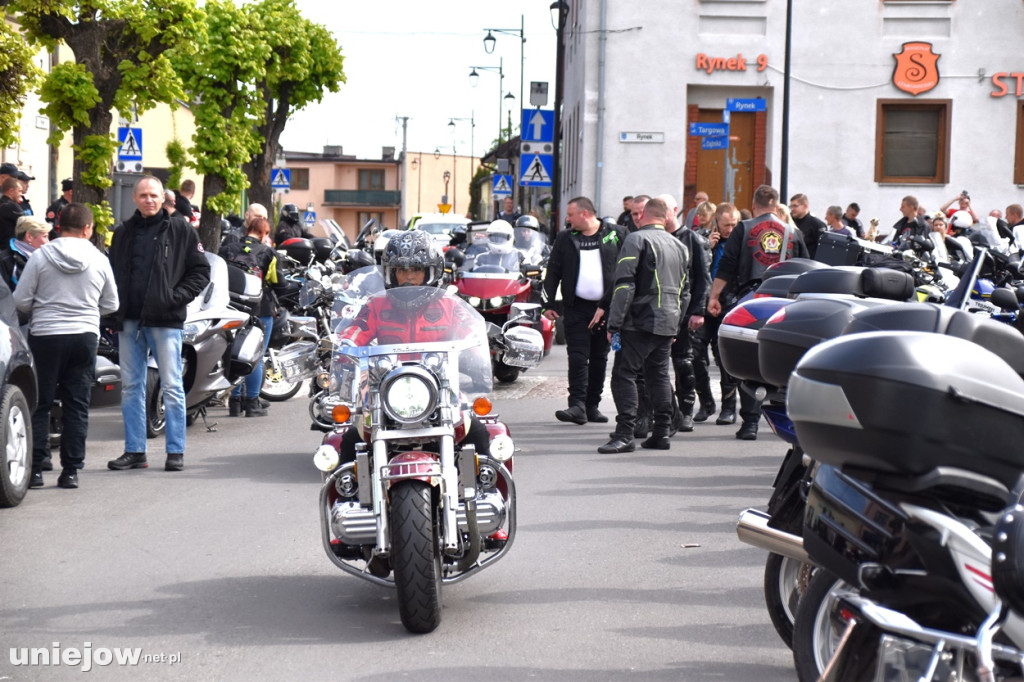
(254, 381)
(136, 343)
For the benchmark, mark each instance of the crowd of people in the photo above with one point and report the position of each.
(655, 286)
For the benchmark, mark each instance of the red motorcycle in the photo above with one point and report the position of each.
(491, 280)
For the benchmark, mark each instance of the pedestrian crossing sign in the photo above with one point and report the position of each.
(502, 185)
(280, 178)
(131, 144)
(536, 170)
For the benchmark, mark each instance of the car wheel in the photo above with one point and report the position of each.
(16, 444)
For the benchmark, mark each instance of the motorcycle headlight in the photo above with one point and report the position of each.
(409, 394)
(325, 458)
(474, 301)
(502, 448)
(496, 301)
(192, 330)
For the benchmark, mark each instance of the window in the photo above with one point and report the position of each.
(300, 178)
(912, 141)
(1018, 156)
(364, 217)
(371, 179)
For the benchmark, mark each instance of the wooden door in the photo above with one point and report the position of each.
(727, 174)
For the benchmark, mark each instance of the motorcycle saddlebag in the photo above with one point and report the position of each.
(871, 282)
(776, 286)
(246, 351)
(787, 336)
(837, 249)
(737, 336)
(106, 385)
(847, 524)
(909, 405)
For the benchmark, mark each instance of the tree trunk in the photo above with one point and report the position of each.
(209, 221)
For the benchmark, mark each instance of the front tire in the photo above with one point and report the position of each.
(784, 581)
(156, 416)
(274, 388)
(416, 556)
(818, 629)
(505, 373)
(16, 441)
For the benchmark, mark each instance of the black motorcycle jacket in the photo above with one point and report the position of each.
(564, 265)
(698, 281)
(179, 271)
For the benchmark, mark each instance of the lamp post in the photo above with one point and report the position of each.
(474, 78)
(453, 175)
(489, 42)
(447, 176)
(417, 166)
(472, 147)
(559, 13)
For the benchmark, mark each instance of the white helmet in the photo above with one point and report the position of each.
(961, 220)
(500, 235)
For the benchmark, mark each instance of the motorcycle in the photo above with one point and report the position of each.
(491, 282)
(220, 346)
(417, 510)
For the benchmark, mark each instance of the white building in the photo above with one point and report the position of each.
(887, 98)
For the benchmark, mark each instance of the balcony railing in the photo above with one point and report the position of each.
(362, 197)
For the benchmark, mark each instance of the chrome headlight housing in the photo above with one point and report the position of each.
(502, 448)
(409, 394)
(193, 330)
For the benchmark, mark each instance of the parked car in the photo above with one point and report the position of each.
(18, 396)
(439, 225)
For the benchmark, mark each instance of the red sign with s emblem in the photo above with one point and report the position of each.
(916, 68)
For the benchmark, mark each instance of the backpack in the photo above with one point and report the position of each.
(245, 256)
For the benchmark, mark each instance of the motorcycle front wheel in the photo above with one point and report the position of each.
(274, 388)
(416, 556)
(506, 374)
(156, 419)
(818, 629)
(785, 580)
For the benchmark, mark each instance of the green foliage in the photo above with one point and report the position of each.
(95, 153)
(177, 157)
(103, 220)
(69, 95)
(18, 74)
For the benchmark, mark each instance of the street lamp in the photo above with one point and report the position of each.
(489, 42)
(472, 132)
(474, 78)
(447, 176)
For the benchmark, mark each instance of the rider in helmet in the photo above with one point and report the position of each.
(530, 240)
(501, 249)
(289, 225)
(416, 311)
(961, 227)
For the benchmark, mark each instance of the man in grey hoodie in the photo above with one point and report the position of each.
(66, 286)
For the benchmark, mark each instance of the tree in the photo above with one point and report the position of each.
(18, 73)
(305, 61)
(120, 64)
(231, 57)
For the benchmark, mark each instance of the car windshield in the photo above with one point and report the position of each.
(436, 228)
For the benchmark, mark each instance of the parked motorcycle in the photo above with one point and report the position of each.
(416, 510)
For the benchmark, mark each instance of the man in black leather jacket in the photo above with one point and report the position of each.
(159, 266)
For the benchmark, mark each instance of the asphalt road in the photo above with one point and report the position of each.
(625, 566)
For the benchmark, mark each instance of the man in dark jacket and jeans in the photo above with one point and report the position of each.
(649, 282)
(583, 261)
(159, 266)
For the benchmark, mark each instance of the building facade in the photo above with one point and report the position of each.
(887, 98)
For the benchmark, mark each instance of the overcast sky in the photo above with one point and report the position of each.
(413, 58)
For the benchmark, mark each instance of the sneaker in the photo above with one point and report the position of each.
(47, 464)
(594, 415)
(657, 443)
(748, 431)
(704, 413)
(175, 462)
(616, 445)
(129, 460)
(686, 423)
(68, 479)
(726, 416)
(574, 414)
(36, 481)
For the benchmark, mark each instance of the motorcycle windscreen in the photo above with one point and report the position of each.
(351, 292)
(413, 325)
(531, 244)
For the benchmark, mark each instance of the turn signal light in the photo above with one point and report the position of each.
(340, 414)
(482, 406)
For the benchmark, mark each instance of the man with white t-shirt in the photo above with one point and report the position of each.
(583, 262)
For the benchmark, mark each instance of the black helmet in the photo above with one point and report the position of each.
(355, 259)
(412, 249)
(289, 214)
(528, 221)
(298, 248)
(322, 248)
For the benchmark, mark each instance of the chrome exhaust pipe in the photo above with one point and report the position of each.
(752, 529)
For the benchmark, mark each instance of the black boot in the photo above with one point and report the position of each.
(252, 407)
(235, 406)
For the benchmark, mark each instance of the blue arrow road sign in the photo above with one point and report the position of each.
(280, 178)
(502, 185)
(131, 144)
(715, 142)
(536, 170)
(538, 125)
(709, 128)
